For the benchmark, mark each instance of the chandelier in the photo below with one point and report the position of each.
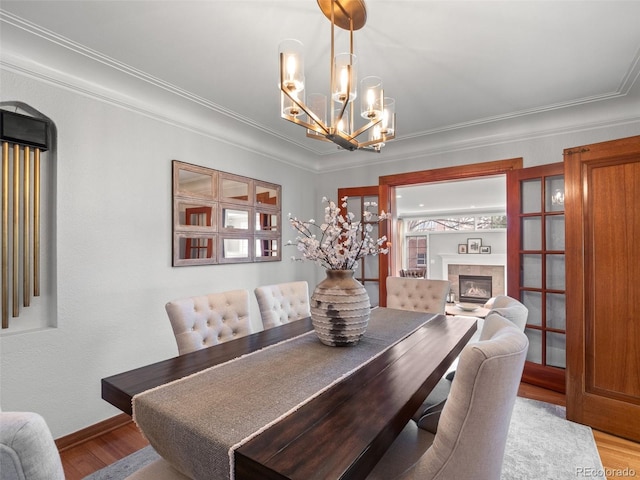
(336, 124)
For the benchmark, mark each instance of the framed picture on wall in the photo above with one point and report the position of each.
(462, 248)
(485, 249)
(473, 245)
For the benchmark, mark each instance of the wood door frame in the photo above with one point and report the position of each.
(388, 184)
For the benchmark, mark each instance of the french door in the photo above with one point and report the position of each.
(536, 268)
(371, 271)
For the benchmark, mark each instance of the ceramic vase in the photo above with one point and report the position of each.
(340, 309)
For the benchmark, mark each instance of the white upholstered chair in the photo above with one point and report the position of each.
(283, 303)
(472, 434)
(27, 449)
(511, 309)
(207, 320)
(417, 294)
(507, 307)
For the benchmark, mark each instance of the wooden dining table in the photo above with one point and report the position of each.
(339, 432)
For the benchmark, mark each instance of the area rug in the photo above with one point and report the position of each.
(542, 445)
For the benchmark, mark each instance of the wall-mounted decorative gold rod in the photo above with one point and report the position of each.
(36, 222)
(16, 226)
(26, 210)
(5, 234)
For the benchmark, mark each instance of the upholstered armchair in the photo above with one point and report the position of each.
(417, 294)
(413, 272)
(511, 309)
(283, 303)
(207, 320)
(508, 308)
(27, 449)
(472, 434)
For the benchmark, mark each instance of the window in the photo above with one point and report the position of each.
(416, 251)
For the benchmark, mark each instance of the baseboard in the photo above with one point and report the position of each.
(92, 431)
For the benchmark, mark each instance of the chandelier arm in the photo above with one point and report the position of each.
(366, 127)
(317, 126)
(308, 125)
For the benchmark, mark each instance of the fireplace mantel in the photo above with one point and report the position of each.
(473, 259)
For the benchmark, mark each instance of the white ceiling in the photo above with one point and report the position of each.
(450, 65)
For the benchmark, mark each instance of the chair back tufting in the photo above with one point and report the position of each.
(417, 294)
(203, 321)
(283, 303)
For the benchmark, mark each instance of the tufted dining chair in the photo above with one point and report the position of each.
(472, 435)
(511, 309)
(417, 294)
(203, 321)
(508, 308)
(283, 303)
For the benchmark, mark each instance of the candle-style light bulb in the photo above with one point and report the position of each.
(291, 66)
(344, 78)
(371, 97)
(371, 103)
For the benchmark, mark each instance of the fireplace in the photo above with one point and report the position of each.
(475, 288)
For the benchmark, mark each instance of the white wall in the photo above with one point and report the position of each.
(447, 244)
(112, 249)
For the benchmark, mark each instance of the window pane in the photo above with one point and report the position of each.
(533, 302)
(371, 266)
(354, 205)
(416, 252)
(531, 191)
(556, 311)
(554, 193)
(373, 290)
(555, 232)
(534, 354)
(491, 222)
(556, 349)
(531, 271)
(555, 272)
(532, 233)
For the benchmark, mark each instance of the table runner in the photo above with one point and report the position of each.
(197, 422)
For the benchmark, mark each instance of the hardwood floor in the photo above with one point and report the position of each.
(620, 457)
